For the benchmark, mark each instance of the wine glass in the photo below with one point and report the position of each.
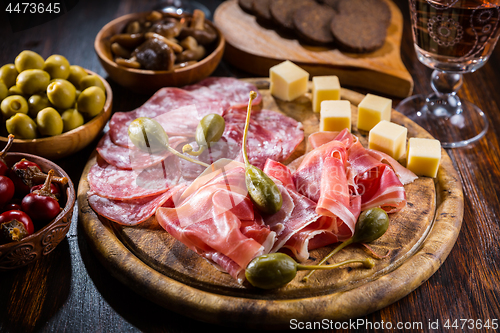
(452, 37)
(181, 6)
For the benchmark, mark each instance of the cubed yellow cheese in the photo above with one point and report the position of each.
(335, 116)
(389, 138)
(424, 156)
(372, 110)
(324, 88)
(288, 81)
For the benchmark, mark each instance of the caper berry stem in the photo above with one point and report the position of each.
(328, 256)
(7, 146)
(188, 149)
(367, 262)
(176, 153)
(253, 95)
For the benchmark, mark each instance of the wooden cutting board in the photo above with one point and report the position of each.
(151, 262)
(254, 49)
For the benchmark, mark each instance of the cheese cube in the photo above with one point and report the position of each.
(324, 88)
(288, 81)
(424, 156)
(372, 110)
(388, 138)
(335, 116)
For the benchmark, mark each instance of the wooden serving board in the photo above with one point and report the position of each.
(254, 49)
(151, 262)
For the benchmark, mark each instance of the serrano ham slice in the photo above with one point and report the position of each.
(215, 216)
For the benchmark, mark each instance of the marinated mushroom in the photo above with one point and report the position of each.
(169, 27)
(128, 40)
(154, 54)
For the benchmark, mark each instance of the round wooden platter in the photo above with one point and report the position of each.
(255, 48)
(151, 262)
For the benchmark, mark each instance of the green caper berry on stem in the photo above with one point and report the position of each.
(149, 136)
(262, 190)
(275, 270)
(209, 130)
(371, 225)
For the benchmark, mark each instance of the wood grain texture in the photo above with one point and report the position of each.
(71, 291)
(255, 49)
(147, 258)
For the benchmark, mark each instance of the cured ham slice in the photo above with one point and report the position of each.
(214, 215)
(131, 212)
(232, 90)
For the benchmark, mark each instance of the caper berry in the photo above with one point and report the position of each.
(147, 135)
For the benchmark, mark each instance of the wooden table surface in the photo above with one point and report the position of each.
(69, 290)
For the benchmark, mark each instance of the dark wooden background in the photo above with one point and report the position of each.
(71, 291)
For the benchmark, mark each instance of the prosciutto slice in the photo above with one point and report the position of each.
(215, 216)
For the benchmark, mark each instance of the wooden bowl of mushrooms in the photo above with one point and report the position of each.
(147, 51)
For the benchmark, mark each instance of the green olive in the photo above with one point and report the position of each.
(49, 122)
(71, 119)
(32, 81)
(76, 73)
(147, 135)
(28, 60)
(8, 74)
(91, 81)
(61, 94)
(4, 91)
(36, 103)
(12, 105)
(372, 223)
(91, 101)
(57, 66)
(264, 193)
(22, 126)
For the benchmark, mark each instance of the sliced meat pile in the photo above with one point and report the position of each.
(127, 185)
(322, 200)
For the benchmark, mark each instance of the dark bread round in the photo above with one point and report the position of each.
(353, 34)
(312, 23)
(261, 10)
(282, 12)
(365, 9)
(246, 5)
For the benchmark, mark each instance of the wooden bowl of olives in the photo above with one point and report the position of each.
(44, 235)
(147, 51)
(54, 109)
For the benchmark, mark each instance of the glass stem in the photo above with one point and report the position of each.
(444, 102)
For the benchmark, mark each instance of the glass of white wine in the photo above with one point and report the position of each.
(452, 37)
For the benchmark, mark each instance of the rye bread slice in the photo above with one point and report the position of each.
(372, 9)
(261, 10)
(282, 12)
(312, 23)
(246, 5)
(358, 35)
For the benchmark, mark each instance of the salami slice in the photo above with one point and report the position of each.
(232, 90)
(128, 159)
(185, 110)
(111, 182)
(135, 211)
